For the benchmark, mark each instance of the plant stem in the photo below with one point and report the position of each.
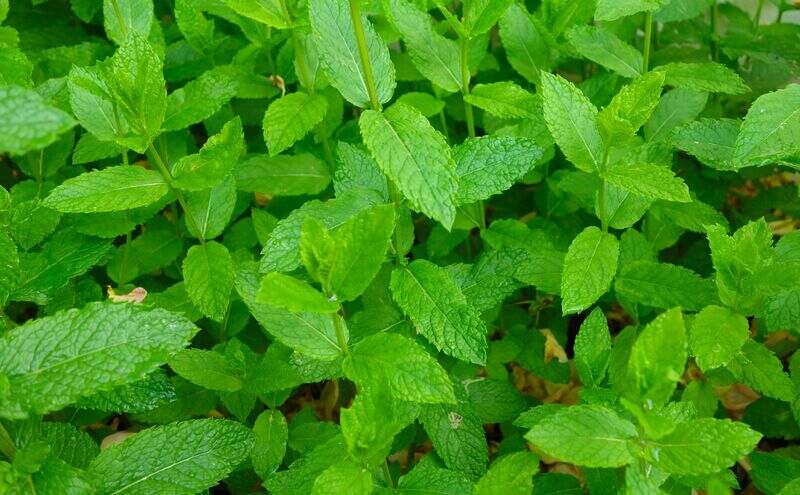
(443, 121)
(162, 167)
(465, 77)
(757, 18)
(387, 475)
(6, 444)
(713, 42)
(601, 205)
(482, 219)
(338, 325)
(648, 35)
(363, 53)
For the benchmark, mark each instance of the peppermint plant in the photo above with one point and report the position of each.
(399, 247)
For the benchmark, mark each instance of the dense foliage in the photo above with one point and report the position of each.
(399, 246)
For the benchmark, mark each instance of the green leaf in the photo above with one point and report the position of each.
(506, 100)
(610, 10)
(186, 457)
(356, 169)
(592, 349)
(214, 161)
(211, 209)
(439, 310)
(489, 165)
(55, 360)
(66, 255)
(711, 141)
(269, 12)
(122, 17)
(403, 366)
(287, 292)
(758, 367)
(282, 175)
(28, 123)
(457, 436)
(290, 118)
(344, 477)
(481, 15)
(437, 58)
(525, 42)
(658, 358)
(110, 189)
(311, 334)
(359, 251)
(415, 157)
(270, 434)
(591, 436)
(572, 120)
(336, 43)
(706, 76)
(663, 285)
(589, 268)
(130, 86)
(771, 130)
(648, 181)
(207, 369)
(208, 273)
(200, 98)
(677, 107)
(510, 474)
(604, 48)
(150, 392)
(716, 336)
(703, 446)
(631, 108)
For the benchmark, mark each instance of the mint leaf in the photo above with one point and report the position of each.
(55, 360)
(403, 366)
(572, 120)
(284, 291)
(490, 165)
(335, 40)
(606, 49)
(290, 118)
(686, 451)
(649, 181)
(592, 348)
(207, 369)
(282, 175)
(707, 76)
(122, 17)
(270, 434)
(110, 189)
(434, 56)
(591, 436)
(609, 10)
(415, 157)
(716, 336)
(208, 273)
(589, 268)
(770, 129)
(214, 161)
(658, 357)
(28, 123)
(662, 285)
(189, 456)
(438, 308)
(526, 42)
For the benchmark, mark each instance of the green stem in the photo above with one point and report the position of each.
(7, 446)
(338, 325)
(126, 250)
(162, 167)
(326, 148)
(648, 35)
(757, 18)
(601, 205)
(363, 53)
(120, 19)
(465, 77)
(387, 475)
(482, 219)
(714, 21)
(125, 157)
